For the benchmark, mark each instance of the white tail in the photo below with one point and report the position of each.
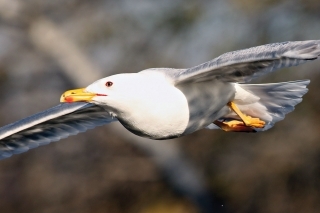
(269, 102)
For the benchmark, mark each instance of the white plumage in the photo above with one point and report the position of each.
(163, 103)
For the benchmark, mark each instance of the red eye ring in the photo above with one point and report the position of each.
(109, 84)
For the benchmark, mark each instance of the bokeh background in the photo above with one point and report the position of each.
(47, 47)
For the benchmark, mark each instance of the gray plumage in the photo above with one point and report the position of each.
(243, 65)
(50, 125)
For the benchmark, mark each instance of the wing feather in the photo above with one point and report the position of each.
(51, 125)
(244, 65)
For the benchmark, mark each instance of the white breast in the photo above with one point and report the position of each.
(156, 109)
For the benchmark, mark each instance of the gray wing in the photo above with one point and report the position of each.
(244, 65)
(51, 125)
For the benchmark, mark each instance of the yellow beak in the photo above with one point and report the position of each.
(77, 95)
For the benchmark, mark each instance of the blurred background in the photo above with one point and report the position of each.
(47, 47)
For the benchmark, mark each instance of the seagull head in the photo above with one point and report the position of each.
(101, 91)
(120, 90)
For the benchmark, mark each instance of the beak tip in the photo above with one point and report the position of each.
(76, 95)
(62, 99)
(68, 99)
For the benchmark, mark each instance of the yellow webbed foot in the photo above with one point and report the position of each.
(247, 120)
(234, 126)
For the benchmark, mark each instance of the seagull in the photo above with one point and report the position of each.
(165, 103)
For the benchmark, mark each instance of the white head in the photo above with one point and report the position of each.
(118, 91)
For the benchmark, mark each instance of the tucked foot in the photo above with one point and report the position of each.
(234, 126)
(247, 120)
(254, 122)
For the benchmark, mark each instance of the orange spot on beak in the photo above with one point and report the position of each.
(68, 99)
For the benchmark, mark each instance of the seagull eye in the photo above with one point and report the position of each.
(109, 84)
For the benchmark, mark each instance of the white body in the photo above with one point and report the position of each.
(149, 105)
(146, 104)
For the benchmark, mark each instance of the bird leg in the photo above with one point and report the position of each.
(247, 123)
(247, 120)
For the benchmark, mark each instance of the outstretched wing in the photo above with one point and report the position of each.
(244, 65)
(51, 125)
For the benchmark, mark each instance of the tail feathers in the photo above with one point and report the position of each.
(269, 102)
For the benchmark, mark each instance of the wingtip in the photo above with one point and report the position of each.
(306, 50)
